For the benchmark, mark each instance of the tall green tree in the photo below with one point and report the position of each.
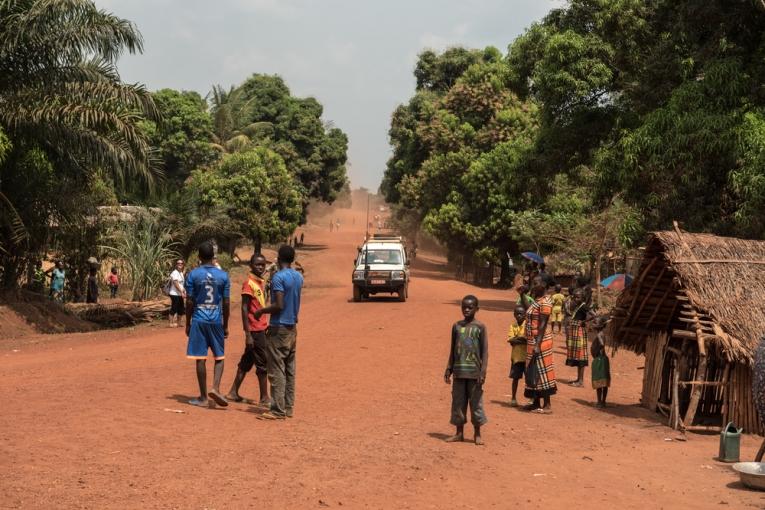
(68, 116)
(257, 192)
(261, 112)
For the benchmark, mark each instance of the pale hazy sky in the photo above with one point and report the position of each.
(355, 56)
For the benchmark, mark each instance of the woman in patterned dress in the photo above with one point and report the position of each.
(540, 383)
(576, 336)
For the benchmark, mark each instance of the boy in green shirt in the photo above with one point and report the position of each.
(468, 360)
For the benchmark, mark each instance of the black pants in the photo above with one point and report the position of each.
(464, 392)
(255, 355)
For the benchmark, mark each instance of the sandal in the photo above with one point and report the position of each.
(270, 416)
(542, 410)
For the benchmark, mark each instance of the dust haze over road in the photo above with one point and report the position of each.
(86, 421)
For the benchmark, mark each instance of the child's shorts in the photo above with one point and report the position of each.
(203, 336)
(517, 370)
(557, 314)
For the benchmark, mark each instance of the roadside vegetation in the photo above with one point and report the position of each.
(604, 121)
(238, 166)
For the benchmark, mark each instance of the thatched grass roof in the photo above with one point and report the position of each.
(721, 277)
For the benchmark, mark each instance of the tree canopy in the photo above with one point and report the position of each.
(604, 113)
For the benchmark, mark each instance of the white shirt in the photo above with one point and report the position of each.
(176, 276)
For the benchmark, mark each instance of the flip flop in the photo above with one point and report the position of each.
(271, 416)
(198, 402)
(541, 410)
(218, 398)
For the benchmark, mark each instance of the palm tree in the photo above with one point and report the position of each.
(60, 92)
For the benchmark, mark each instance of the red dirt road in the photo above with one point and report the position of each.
(85, 421)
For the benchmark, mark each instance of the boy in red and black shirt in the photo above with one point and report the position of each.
(253, 299)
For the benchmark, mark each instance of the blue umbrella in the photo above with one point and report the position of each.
(617, 281)
(534, 257)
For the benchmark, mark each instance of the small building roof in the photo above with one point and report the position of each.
(723, 278)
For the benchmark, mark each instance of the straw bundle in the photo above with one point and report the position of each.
(119, 314)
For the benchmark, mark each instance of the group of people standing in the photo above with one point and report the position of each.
(540, 306)
(58, 275)
(270, 309)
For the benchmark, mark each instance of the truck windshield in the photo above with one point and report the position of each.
(381, 256)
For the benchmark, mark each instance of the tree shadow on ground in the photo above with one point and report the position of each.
(490, 305)
(633, 411)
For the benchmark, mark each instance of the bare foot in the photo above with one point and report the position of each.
(199, 402)
(457, 438)
(478, 441)
(218, 398)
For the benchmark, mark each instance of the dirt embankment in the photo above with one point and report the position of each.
(24, 313)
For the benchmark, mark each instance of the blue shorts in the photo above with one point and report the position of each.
(204, 336)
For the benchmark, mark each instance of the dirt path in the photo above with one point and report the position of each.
(86, 422)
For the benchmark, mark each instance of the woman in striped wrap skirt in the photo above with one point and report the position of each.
(539, 354)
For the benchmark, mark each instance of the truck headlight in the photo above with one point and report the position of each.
(358, 275)
(397, 275)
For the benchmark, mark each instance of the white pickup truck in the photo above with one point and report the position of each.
(381, 267)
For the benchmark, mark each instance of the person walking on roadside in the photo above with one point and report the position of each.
(57, 279)
(177, 293)
(207, 310)
(113, 281)
(91, 295)
(286, 287)
(253, 299)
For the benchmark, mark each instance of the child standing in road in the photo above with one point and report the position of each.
(601, 366)
(557, 311)
(516, 337)
(468, 360)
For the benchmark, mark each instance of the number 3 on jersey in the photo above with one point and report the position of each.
(210, 294)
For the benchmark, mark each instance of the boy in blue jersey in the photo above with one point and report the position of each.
(286, 286)
(207, 310)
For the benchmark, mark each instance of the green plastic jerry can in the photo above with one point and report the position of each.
(730, 443)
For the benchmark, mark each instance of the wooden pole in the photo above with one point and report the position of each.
(701, 373)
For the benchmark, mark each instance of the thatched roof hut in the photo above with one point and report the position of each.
(695, 309)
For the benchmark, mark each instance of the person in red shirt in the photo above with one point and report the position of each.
(253, 299)
(113, 280)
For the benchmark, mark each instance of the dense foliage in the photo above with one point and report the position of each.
(74, 137)
(609, 117)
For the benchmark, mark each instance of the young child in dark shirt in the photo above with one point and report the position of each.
(601, 367)
(468, 360)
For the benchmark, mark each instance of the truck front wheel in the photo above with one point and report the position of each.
(356, 293)
(403, 293)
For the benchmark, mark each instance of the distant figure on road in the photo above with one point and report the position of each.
(337, 225)
(302, 238)
(91, 295)
(557, 312)
(207, 309)
(601, 366)
(177, 293)
(331, 226)
(468, 360)
(516, 337)
(57, 279)
(253, 299)
(113, 281)
(286, 287)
